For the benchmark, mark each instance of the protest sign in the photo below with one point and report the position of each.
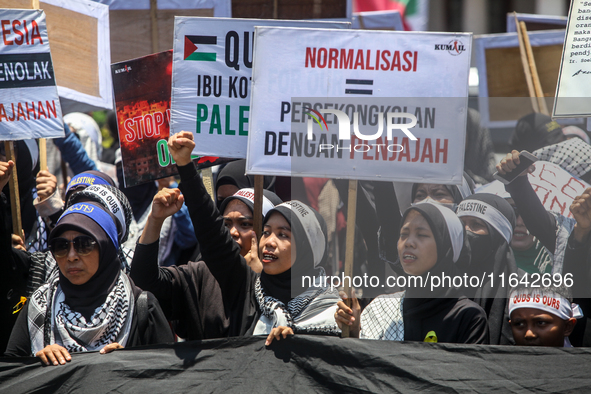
(29, 104)
(572, 91)
(212, 66)
(142, 98)
(140, 28)
(371, 78)
(79, 34)
(377, 20)
(554, 186)
(535, 22)
(503, 91)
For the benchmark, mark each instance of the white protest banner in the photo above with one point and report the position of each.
(29, 102)
(212, 66)
(573, 97)
(365, 79)
(555, 187)
(502, 87)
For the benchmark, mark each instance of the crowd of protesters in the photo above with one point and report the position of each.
(102, 267)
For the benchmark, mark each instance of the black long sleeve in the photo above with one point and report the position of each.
(539, 222)
(212, 297)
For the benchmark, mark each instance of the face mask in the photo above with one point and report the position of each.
(451, 206)
(480, 247)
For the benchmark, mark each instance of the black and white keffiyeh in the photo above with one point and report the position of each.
(52, 321)
(311, 312)
(572, 155)
(383, 318)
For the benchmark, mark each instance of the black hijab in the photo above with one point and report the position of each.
(234, 173)
(308, 230)
(491, 254)
(87, 297)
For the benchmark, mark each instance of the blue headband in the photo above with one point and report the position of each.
(101, 218)
(87, 180)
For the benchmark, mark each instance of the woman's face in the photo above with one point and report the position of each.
(417, 248)
(225, 191)
(276, 248)
(475, 225)
(436, 192)
(238, 219)
(76, 268)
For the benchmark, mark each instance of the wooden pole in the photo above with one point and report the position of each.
(15, 203)
(42, 154)
(275, 9)
(258, 205)
(539, 93)
(154, 21)
(64, 167)
(526, 68)
(350, 246)
(208, 182)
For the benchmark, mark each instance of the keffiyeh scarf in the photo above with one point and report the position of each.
(51, 321)
(311, 312)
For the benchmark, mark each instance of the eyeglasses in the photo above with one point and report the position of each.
(83, 245)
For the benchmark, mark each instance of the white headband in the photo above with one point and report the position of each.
(112, 202)
(248, 194)
(488, 213)
(551, 303)
(311, 227)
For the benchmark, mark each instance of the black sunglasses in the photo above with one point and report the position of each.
(83, 245)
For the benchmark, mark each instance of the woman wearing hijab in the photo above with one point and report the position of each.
(221, 296)
(489, 222)
(53, 206)
(90, 304)
(238, 211)
(388, 210)
(232, 178)
(431, 242)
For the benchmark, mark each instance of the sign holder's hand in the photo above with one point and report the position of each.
(349, 315)
(581, 210)
(5, 172)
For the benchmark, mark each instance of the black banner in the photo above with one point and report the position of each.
(307, 364)
(26, 70)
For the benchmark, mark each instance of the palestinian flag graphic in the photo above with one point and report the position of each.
(195, 47)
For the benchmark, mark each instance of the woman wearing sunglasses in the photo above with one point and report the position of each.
(90, 304)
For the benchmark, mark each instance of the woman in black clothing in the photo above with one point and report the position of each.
(90, 304)
(221, 296)
(430, 244)
(489, 222)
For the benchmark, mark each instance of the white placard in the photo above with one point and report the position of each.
(29, 103)
(377, 20)
(554, 186)
(211, 73)
(505, 40)
(551, 21)
(573, 96)
(73, 100)
(423, 74)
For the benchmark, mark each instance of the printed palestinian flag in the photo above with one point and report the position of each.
(196, 48)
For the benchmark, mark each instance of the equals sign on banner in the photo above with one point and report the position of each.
(366, 82)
